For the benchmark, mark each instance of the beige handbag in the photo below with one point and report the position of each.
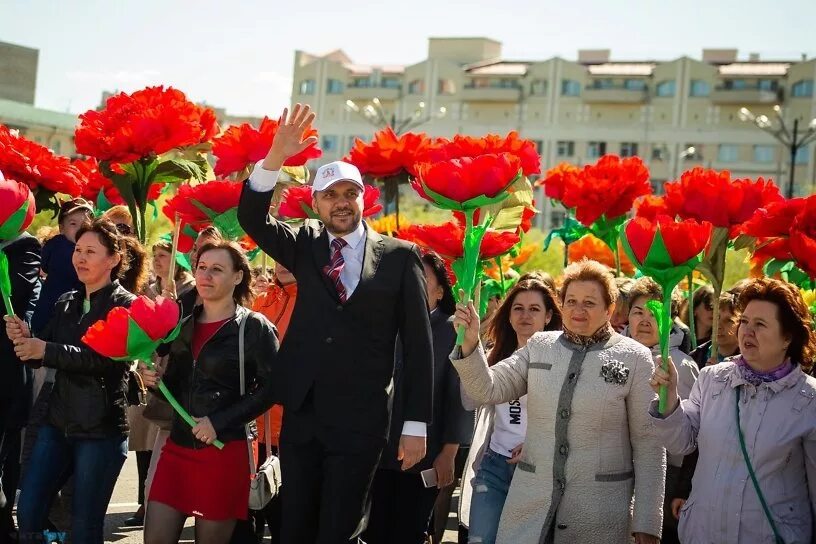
(266, 480)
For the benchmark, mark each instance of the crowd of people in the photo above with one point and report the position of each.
(343, 361)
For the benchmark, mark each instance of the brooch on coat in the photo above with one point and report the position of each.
(615, 372)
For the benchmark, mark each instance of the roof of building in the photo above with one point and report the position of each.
(26, 114)
(622, 69)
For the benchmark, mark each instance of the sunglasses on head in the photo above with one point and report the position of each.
(124, 229)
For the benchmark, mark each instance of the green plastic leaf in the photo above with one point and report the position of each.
(5, 283)
(46, 200)
(570, 232)
(743, 241)
(228, 224)
(13, 226)
(179, 170)
(102, 203)
(139, 345)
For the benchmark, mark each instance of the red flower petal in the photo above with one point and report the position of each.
(13, 195)
(157, 318)
(37, 166)
(108, 337)
(463, 179)
(387, 154)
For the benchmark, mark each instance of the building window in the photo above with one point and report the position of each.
(728, 153)
(334, 86)
(56, 146)
(446, 86)
(767, 85)
(763, 153)
(634, 85)
(699, 88)
(803, 155)
(629, 149)
(802, 89)
(359, 82)
(657, 186)
(564, 148)
(539, 144)
(328, 142)
(605, 83)
(538, 87)
(570, 87)
(735, 84)
(557, 218)
(665, 89)
(307, 86)
(659, 152)
(390, 83)
(506, 83)
(417, 86)
(596, 149)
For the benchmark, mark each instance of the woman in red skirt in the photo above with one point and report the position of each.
(193, 477)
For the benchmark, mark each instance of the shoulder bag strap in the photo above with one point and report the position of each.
(765, 508)
(242, 378)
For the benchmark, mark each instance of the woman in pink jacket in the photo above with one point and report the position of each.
(754, 418)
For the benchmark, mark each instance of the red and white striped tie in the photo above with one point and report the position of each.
(335, 266)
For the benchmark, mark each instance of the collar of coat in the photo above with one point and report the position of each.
(729, 372)
(598, 337)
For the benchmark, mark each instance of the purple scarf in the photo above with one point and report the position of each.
(755, 378)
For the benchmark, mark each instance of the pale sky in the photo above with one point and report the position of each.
(238, 54)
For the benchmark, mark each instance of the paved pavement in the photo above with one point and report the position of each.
(123, 504)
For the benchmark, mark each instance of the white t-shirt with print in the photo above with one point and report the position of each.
(509, 426)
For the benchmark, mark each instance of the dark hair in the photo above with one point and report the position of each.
(448, 304)
(588, 270)
(134, 278)
(729, 299)
(703, 295)
(794, 316)
(210, 231)
(649, 288)
(501, 333)
(74, 205)
(541, 275)
(166, 246)
(113, 241)
(242, 293)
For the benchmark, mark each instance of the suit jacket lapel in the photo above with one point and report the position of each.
(372, 254)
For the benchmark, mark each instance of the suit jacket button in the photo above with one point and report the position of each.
(329, 340)
(562, 525)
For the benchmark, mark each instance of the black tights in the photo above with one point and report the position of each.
(163, 525)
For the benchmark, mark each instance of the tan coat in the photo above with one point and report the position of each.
(590, 442)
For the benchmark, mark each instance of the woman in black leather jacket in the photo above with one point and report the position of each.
(193, 477)
(86, 429)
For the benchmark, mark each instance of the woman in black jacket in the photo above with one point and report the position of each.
(86, 429)
(401, 504)
(193, 478)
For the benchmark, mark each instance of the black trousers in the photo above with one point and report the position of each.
(10, 443)
(326, 477)
(142, 466)
(400, 508)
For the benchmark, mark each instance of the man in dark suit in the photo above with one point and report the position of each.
(357, 291)
(16, 383)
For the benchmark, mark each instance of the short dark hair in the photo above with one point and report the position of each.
(242, 293)
(794, 317)
(448, 304)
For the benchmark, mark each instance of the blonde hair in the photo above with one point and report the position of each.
(587, 270)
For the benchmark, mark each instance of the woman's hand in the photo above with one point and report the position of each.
(643, 538)
(515, 454)
(29, 349)
(150, 378)
(676, 505)
(16, 328)
(467, 317)
(661, 377)
(204, 430)
(444, 465)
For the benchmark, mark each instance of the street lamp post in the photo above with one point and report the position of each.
(791, 139)
(374, 114)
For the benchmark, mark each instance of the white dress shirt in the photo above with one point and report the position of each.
(263, 180)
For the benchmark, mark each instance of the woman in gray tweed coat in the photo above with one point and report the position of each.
(592, 470)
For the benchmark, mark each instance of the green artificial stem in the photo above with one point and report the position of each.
(7, 303)
(178, 407)
(5, 283)
(662, 315)
(692, 324)
(472, 244)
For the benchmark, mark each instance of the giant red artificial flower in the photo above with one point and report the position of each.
(459, 183)
(297, 202)
(650, 206)
(803, 237)
(36, 165)
(94, 183)
(709, 195)
(17, 208)
(243, 145)
(387, 154)
(218, 196)
(108, 337)
(557, 179)
(775, 219)
(447, 240)
(146, 123)
(492, 144)
(595, 249)
(653, 241)
(607, 188)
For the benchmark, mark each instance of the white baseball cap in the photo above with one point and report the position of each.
(329, 174)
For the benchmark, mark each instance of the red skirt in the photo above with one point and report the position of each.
(207, 483)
